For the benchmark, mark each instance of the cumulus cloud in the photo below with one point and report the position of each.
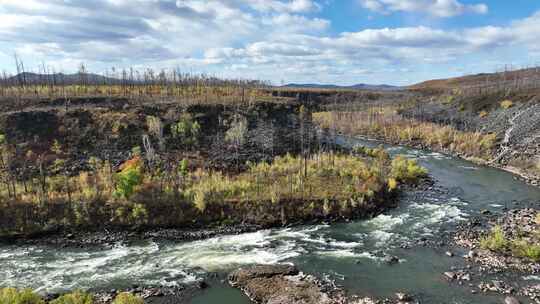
(294, 6)
(437, 8)
(268, 39)
(386, 45)
(152, 30)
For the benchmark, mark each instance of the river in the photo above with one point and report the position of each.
(349, 252)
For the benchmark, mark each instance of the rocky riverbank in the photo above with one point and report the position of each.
(180, 294)
(109, 238)
(285, 284)
(501, 268)
(518, 223)
(516, 124)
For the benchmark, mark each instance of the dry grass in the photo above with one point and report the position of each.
(184, 94)
(386, 124)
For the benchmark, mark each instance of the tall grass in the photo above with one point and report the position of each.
(15, 296)
(386, 124)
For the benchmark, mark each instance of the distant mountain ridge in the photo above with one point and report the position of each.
(60, 78)
(360, 86)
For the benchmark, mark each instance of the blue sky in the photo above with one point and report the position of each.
(317, 41)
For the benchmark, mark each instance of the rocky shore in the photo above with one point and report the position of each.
(285, 284)
(109, 237)
(180, 294)
(513, 223)
(499, 272)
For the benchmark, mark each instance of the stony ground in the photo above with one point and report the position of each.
(285, 284)
(483, 263)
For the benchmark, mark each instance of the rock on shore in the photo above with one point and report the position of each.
(283, 284)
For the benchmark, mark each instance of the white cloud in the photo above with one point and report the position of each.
(265, 39)
(294, 6)
(352, 51)
(296, 23)
(437, 8)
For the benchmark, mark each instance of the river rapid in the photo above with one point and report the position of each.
(350, 253)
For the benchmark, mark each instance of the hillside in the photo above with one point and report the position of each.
(525, 77)
(28, 78)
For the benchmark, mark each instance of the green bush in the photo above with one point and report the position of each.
(77, 297)
(507, 104)
(407, 170)
(495, 240)
(14, 296)
(127, 298)
(129, 178)
(186, 130)
(524, 249)
(379, 153)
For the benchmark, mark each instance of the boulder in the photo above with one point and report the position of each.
(450, 275)
(281, 284)
(511, 300)
(390, 260)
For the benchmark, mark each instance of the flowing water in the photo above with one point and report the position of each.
(349, 253)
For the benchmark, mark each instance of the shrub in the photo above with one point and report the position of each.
(127, 298)
(129, 178)
(139, 214)
(14, 296)
(449, 99)
(155, 128)
(407, 170)
(526, 250)
(77, 297)
(495, 241)
(236, 135)
(507, 104)
(392, 184)
(379, 153)
(186, 130)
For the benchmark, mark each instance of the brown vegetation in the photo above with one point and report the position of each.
(385, 123)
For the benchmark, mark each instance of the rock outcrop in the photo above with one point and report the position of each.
(283, 284)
